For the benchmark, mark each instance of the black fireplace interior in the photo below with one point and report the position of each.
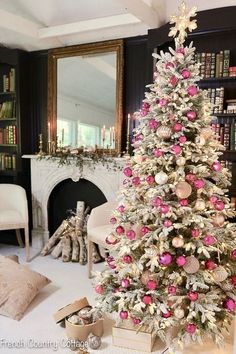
(64, 197)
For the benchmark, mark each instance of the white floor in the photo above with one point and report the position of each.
(38, 329)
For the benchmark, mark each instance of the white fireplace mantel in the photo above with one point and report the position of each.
(46, 174)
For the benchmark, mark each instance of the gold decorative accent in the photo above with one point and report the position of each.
(182, 23)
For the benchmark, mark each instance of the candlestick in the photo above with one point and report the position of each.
(62, 136)
(49, 131)
(40, 144)
(128, 137)
(128, 125)
(113, 137)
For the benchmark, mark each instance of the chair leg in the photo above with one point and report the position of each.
(90, 257)
(27, 246)
(19, 239)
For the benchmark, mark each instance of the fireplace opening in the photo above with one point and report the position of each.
(64, 197)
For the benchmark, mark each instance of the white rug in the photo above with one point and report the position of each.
(37, 331)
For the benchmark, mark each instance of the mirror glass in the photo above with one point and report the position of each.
(85, 96)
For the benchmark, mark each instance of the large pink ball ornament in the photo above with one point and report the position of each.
(145, 105)
(136, 181)
(216, 166)
(166, 314)
(121, 208)
(111, 262)
(209, 240)
(162, 102)
(151, 284)
(185, 73)
(190, 177)
(192, 90)
(191, 328)
(169, 65)
(229, 304)
(147, 299)
(157, 152)
(144, 113)
(164, 208)
(199, 183)
(181, 261)
(125, 283)
(127, 259)
(191, 115)
(128, 172)
(123, 315)
(173, 80)
(150, 180)
(183, 190)
(180, 50)
(156, 202)
(193, 296)
(192, 265)
(120, 230)
(195, 233)
(210, 265)
(183, 202)
(136, 321)
(182, 139)
(165, 258)
(218, 220)
(219, 205)
(113, 220)
(167, 223)
(233, 254)
(130, 234)
(172, 290)
(176, 149)
(177, 127)
(153, 124)
(164, 132)
(111, 240)
(145, 230)
(233, 280)
(99, 289)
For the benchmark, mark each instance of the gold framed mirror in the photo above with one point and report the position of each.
(85, 92)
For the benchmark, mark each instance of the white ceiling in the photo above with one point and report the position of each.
(43, 24)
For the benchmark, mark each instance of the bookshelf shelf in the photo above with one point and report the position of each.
(7, 119)
(224, 115)
(9, 145)
(8, 93)
(217, 79)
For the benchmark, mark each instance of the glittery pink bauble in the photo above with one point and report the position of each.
(153, 124)
(136, 321)
(213, 199)
(120, 230)
(147, 299)
(192, 90)
(99, 289)
(193, 296)
(191, 328)
(167, 223)
(143, 113)
(111, 262)
(128, 172)
(177, 127)
(209, 240)
(191, 115)
(151, 284)
(117, 290)
(164, 209)
(145, 105)
(123, 315)
(229, 304)
(113, 220)
(135, 181)
(181, 261)
(210, 265)
(121, 208)
(130, 234)
(138, 137)
(169, 65)
(183, 202)
(166, 314)
(157, 202)
(162, 102)
(195, 232)
(127, 259)
(182, 139)
(173, 80)
(180, 50)
(185, 73)
(111, 240)
(158, 152)
(150, 179)
(190, 177)
(219, 205)
(172, 290)
(233, 254)
(166, 258)
(176, 149)
(233, 280)
(125, 283)
(145, 230)
(216, 166)
(199, 183)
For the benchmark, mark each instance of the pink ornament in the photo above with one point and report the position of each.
(162, 102)
(145, 230)
(213, 199)
(164, 208)
(111, 240)
(99, 289)
(181, 261)
(121, 208)
(165, 258)
(157, 152)
(111, 262)
(192, 90)
(219, 205)
(209, 240)
(233, 280)
(169, 65)
(128, 172)
(150, 180)
(147, 299)
(138, 137)
(191, 115)
(180, 50)
(145, 105)
(195, 233)
(153, 124)
(193, 296)
(166, 314)
(199, 183)
(157, 202)
(120, 230)
(123, 315)
(151, 284)
(233, 254)
(135, 181)
(216, 166)
(229, 304)
(130, 234)
(183, 202)
(143, 113)
(177, 127)
(173, 80)
(190, 177)
(210, 265)
(136, 321)
(125, 283)
(185, 73)
(117, 290)
(182, 139)
(127, 259)
(167, 223)
(113, 220)
(176, 149)
(191, 328)
(172, 290)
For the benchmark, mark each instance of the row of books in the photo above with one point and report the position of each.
(8, 135)
(8, 109)
(214, 64)
(225, 133)
(216, 96)
(7, 162)
(9, 81)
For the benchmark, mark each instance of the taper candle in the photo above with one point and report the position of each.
(128, 125)
(49, 131)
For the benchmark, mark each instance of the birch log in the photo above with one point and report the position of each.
(66, 248)
(57, 250)
(54, 238)
(75, 248)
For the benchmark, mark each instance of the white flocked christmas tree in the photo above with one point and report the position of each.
(173, 250)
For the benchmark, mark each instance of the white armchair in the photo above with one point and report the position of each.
(14, 212)
(98, 228)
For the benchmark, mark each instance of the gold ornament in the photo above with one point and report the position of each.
(219, 274)
(192, 265)
(161, 178)
(178, 242)
(200, 204)
(164, 132)
(181, 161)
(218, 220)
(179, 313)
(183, 190)
(146, 276)
(206, 133)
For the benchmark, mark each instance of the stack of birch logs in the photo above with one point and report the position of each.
(69, 241)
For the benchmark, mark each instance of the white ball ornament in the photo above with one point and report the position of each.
(164, 132)
(179, 313)
(200, 140)
(192, 265)
(219, 274)
(181, 161)
(183, 190)
(161, 178)
(218, 220)
(200, 205)
(177, 242)
(206, 133)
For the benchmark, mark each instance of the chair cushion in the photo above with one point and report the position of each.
(8, 217)
(18, 287)
(98, 234)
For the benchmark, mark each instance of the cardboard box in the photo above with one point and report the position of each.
(78, 332)
(131, 339)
